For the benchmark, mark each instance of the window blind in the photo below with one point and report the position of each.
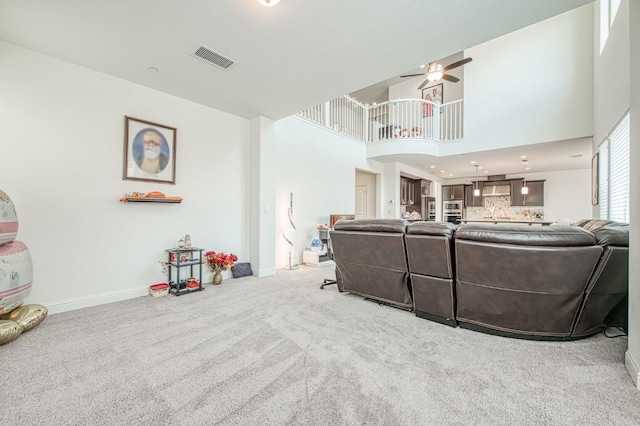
(619, 172)
(613, 180)
(603, 179)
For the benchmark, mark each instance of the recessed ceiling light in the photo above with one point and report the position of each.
(152, 69)
(268, 3)
(450, 174)
(523, 156)
(486, 171)
(422, 66)
(473, 162)
(441, 171)
(432, 167)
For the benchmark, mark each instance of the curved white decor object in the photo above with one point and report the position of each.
(290, 213)
(8, 219)
(16, 275)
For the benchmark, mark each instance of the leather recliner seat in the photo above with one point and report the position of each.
(606, 297)
(429, 252)
(523, 281)
(536, 282)
(370, 257)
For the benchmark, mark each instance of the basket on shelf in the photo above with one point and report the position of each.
(192, 284)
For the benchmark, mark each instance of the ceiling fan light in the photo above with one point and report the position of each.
(434, 76)
(268, 3)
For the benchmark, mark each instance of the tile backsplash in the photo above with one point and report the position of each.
(500, 207)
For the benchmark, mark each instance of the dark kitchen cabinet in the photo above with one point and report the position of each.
(410, 191)
(452, 192)
(535, 197)
(469, 199)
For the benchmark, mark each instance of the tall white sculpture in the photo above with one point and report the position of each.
(288, 235)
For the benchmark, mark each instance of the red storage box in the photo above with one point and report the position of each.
(161, 289)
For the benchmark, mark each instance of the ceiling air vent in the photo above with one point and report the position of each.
(214, 58)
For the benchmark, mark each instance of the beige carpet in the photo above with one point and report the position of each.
(279, 350)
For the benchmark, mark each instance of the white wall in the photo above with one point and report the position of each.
(566, 194)
(61, 156)
(530, 86)
(611, 74)
(318, 166)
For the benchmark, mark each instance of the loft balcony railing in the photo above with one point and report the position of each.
(397, 119)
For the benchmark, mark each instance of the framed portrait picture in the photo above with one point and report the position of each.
(433, 94)
(594, 180)
(149, 151)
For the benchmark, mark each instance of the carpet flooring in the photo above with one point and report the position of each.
(280, 351)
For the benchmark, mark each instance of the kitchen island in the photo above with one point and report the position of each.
(508, 220)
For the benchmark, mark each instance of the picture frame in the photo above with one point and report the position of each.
(433, 94)
(595, 178)
(149, 151)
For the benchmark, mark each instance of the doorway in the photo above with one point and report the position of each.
(365, 195)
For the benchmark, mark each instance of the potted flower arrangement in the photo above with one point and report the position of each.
(217, 262)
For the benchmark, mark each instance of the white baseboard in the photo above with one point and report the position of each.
(632, 368)
(266, 272)
(95, 300)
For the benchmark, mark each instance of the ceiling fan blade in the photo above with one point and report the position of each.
(424, 83)
(450, 78)
(456, 64)
(411, 75)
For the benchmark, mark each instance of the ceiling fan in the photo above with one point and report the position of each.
(436, 71)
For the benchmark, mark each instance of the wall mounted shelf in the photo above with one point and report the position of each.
(151, 200)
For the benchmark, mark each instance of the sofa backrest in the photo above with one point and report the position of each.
(370, 257)
(612, 234)
(429, 248)
(523, 279)
(593, 224)
(430, 256)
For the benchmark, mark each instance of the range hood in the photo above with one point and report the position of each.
(496, 189)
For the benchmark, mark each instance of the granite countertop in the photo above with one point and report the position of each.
(508, 220)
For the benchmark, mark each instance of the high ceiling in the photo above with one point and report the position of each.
(287, 58)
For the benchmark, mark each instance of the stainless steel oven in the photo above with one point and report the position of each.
(452, 211)
(452, 206)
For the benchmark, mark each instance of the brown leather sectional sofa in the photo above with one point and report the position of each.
(557, 282)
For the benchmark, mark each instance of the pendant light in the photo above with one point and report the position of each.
(525, 188)
(476, 190)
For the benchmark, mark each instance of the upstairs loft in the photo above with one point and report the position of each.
(416, 119)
